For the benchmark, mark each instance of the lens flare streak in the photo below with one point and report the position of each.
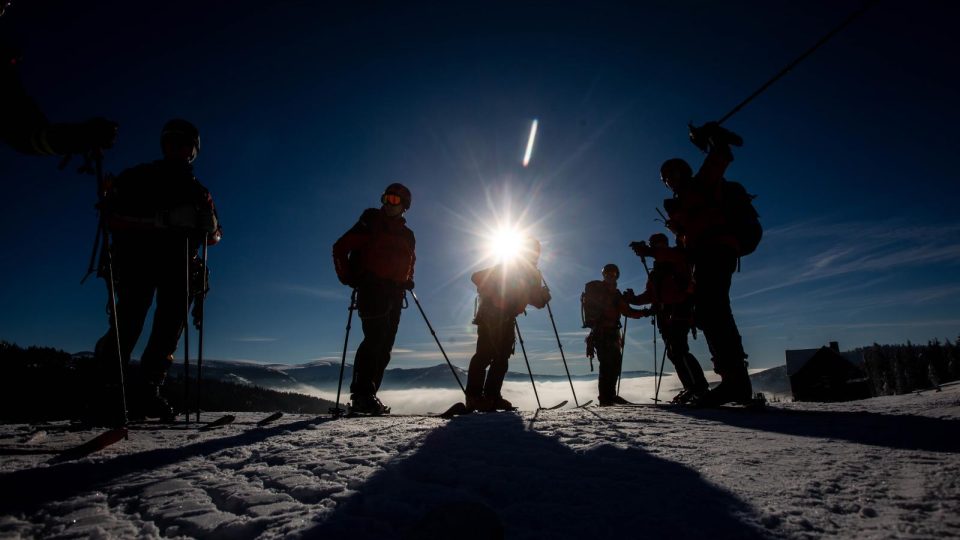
(533, 135)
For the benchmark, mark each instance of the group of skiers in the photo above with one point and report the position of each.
(160, 216)
(714, 224)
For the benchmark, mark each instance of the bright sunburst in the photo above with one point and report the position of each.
(505, 244)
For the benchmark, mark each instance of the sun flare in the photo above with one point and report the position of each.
(505, 244)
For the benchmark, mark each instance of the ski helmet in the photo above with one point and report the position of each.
(611, 268)
(399, 190)
(181, 130)
(659, 240)
(675, 170)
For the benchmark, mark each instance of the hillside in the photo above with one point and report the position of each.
(881, 467)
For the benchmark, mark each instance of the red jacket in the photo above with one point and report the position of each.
(378, 247)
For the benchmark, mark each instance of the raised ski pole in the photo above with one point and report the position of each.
(336, 411)
(200, 316)
(867, 5)
(186, 343)
(435, 338)
(562, 356)
(530, 371)
(107, 262)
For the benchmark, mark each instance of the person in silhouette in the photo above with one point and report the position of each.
(698, 216)
(376, 258)
(603, 304)
(159, 215)
(669, 290)
(505, 291)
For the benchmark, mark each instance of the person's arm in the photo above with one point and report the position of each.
(355, 238)
(538, 295)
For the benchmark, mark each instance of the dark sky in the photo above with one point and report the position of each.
(307, 110)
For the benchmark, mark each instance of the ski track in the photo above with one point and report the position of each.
(879, 468)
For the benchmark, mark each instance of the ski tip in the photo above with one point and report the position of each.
(271, 418)
(455, 410)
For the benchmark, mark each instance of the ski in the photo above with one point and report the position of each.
(456, 409)
(555, 407)
(275, 416)
(95, 444)
(222, 421)
(582, 405)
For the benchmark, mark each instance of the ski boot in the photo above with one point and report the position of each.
(367, 405)
(498, 403)
(477, 403)
(153, 405)
(730, 390)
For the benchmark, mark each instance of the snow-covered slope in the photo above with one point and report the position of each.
(885, 467)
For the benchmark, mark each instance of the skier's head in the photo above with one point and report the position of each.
(610, 273)
(659, 240)
(180, 141)
(396, 199)
(675, 173)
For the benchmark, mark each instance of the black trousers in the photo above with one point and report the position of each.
(495, 345)
(674, 334)
(146, 273)
(379, 306)
(610, 358)
(713, 274)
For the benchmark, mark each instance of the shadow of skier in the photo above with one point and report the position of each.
(481, 477)
(902, 431)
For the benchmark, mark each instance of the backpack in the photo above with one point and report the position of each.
(741, 217)
(592, 303)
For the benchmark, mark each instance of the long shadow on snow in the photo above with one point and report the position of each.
(902, 431)
(30, 488)
(535, 486)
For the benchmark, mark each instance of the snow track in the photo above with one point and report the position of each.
(886, 467)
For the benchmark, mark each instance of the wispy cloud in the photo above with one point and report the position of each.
(316, 292)
(254, 339)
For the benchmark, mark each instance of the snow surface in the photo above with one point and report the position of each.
(877, 468)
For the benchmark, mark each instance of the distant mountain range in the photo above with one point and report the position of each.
(323, 375)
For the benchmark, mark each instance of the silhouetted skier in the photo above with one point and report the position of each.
(603, 304)
(376, 257)
(159, 215)
(505, 291)
(669, 291)
(699, 213)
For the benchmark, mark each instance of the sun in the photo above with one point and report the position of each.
(505, 244)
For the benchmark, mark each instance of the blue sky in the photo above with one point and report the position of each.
(308, 111)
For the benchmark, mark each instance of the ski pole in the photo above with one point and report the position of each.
(435, 338)
(106, 254)
(530, 371)
(799, 59)
(336, 411)
(623, 346)
(663, 361)
(559, 344)
(200, 306)
(186, 343)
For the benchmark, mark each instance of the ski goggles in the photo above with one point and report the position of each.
(391, 198)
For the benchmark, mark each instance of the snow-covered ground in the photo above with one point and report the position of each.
(884, 467)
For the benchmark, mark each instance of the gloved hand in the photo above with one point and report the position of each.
(348, 280)
(647, 312)
(629, 296)
(408, 285)
(641, 249)
(712, 135)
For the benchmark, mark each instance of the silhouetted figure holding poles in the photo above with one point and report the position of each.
(713, 223)
(376, 257)
(669, 291)
(159, 216)
(505, 291)
(603, 304)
